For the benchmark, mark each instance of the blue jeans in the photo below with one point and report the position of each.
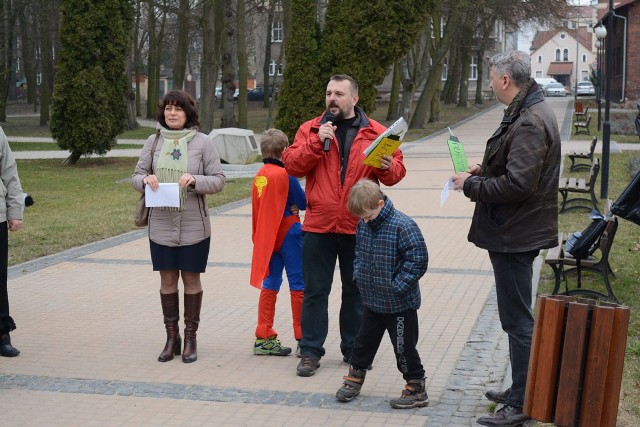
(319, 254)
(513, 275)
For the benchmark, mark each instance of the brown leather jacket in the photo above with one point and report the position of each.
(517, 193)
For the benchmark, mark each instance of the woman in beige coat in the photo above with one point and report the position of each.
(179, 237)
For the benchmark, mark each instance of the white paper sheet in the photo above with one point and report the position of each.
(449, 185)
(167, 195)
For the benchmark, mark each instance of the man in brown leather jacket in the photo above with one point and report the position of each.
(516, 212)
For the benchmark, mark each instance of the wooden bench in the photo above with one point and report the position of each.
(583, 155)
(579, 186)
(582, 113)
(582, 126)
(563, 265)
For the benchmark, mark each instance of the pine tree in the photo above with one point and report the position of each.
(89, 101)
(301, 97)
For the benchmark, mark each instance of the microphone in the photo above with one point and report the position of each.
(328, 118)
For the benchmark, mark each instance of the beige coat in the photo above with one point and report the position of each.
(192, 225)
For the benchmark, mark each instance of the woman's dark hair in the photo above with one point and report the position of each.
(183, 100)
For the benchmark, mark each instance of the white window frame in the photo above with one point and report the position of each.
(473, 68)
(445, 70)
(276, 32)
(272, 68)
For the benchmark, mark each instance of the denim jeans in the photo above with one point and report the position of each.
(513, 275)
(319, 254)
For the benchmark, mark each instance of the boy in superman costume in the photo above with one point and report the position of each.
(276, 200)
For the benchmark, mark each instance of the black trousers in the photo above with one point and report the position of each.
(319, 254)
(4, 265)
(403, 332)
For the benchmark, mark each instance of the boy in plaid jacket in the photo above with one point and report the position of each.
(391, 257)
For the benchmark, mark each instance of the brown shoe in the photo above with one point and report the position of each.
(307, 366)
(414, 395)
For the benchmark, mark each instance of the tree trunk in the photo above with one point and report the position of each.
(209, 73)
(48, 35)
(28, 35)
(479, 56)
(6, 55)
(228, 69)
(267, 57)
(182, 46)
(137, 57)
(392, 110)
(243, 67)
(450, 89)
(465, 63)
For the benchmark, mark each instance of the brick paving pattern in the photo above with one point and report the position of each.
(90, 327)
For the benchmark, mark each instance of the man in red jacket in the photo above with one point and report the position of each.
(328, 151)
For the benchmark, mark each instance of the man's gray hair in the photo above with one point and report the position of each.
(514, 63)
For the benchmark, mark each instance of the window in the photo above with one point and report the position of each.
(584, 58)
(557, 55)
(473, 68)
(539, 59)
(276, 32)
(444, 70)
(272, 68)
(565, 55)
(538, 74)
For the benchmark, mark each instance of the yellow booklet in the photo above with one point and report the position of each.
(386, 143)
(385, 147)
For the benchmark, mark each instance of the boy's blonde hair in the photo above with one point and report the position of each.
(273, 143)
(364, 196)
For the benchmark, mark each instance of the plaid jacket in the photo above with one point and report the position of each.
(391, 257)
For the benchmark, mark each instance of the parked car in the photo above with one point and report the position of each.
(544, 81)
(585, 88)
(556, 89)
(218, 93)
(257, 93)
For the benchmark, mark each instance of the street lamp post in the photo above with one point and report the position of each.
(601, 33)
(606, 126)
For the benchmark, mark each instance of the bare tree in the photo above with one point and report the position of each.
(48, 22)
(209, 72)
(28, 30)
(7, 39)
(243, 74)
(156, 20)
(228, 66)
(182, 45)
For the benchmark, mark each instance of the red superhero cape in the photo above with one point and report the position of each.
(268, 202)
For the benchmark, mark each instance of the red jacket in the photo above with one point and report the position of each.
(326, 197)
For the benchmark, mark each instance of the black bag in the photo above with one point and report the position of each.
(583, 244)
(627, 206)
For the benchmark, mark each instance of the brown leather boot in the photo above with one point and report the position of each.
(192, 305)
(171, 312)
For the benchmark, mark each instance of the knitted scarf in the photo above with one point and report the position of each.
(516, 104)
(174, 158)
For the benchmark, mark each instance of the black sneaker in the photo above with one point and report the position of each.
(498, 396)
(307, 366)
(507, 416)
